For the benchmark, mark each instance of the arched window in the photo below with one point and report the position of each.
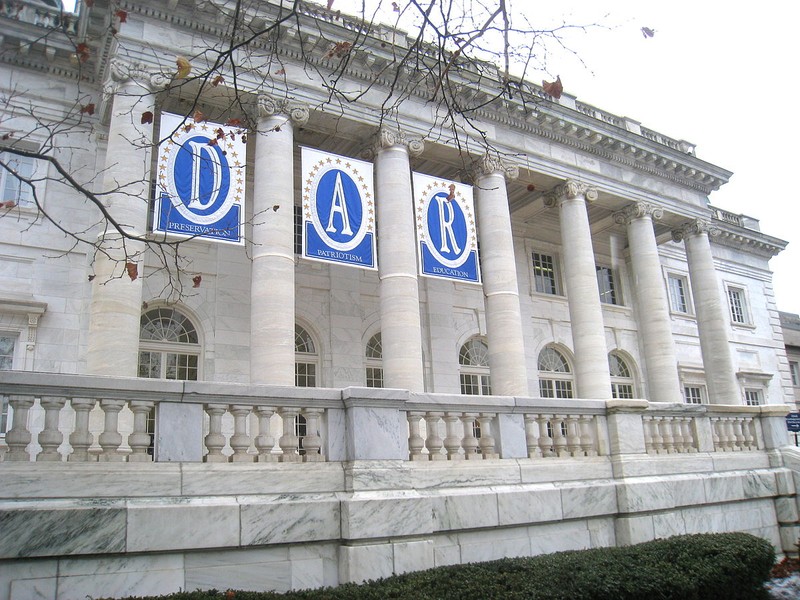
(169, 347)
(555, 374)
(621, 378)
(374, 356)
(474, 360)
(305, 358)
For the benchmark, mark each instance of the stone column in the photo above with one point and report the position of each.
(116, 305)
(712, 314)
(401, 329)
(663, 382)
(499, 273)
(580, 281)
(272, 316)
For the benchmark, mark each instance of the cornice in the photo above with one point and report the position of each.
(748, 240)
(530, 112)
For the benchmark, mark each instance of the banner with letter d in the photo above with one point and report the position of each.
(446, 236)
(338, 209)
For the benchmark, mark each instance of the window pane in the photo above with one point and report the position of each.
(302, 341)
(546, 388)
(13, 189)
(736, 302)
(795, 370)
(6, 352)
(475, 353)
(553, 361)
(486, 385)
(544, 274)
(167, 325)
(298, 229)
(375, 347)
(692, 395)
(374, 377)
(469, 384)
(563, 389)
(605, 283)
(752, 397)
(677, 294)
(150, 365)
(3, 414)
(622, 391)
(305, 374)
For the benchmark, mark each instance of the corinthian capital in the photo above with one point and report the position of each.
(389, 138)
(123, 72)
(569, 190)
(489, 165)
(695, 227)
(638, 210)
(270, 106)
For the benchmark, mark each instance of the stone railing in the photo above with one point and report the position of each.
(76, 418)
(39, 14)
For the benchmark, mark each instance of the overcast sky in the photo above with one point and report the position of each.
(713, 74)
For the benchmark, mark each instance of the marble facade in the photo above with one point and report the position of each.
(597, 241)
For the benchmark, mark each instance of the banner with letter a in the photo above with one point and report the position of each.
(338, 210)
(448, 243)
(201, 180)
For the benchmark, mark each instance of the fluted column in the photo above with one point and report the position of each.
(272, 317)
(712, 314)
(499, 274)
(401, 330)
(115, 308)
(580, 281)
(654, 321)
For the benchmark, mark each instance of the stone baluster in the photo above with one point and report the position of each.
(724, 437)
(240, 440)
(715, 436)
(215, 440)
(532, 436)
(689, 443)
(140, 440)
(289, 441)
(738, 433)
(487, 439)
(470, 442)
(559, 439)
(415, 441)
(265, 441)
(749, 433)
(433, 441)
(658, 439)
(588, 446)
(312, 442)
(665, 428)
(81, 438)
(545, 440)
(111, 439)
(647, 423)
(19, 436)
(452, 441)
(729, 432)
(50, 437)
(573, 436)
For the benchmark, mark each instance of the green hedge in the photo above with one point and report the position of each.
(730, 566)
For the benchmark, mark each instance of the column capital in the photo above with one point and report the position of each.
(638, 210)
(388, 138)
(569, 190)
(123, 72)
(694, 227)
(270, 106)
(489, 165)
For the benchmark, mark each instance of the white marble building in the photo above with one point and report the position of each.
(619, 375)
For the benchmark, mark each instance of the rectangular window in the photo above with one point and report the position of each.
(470, 384)
(622, 391)
(374, 377)
(752, 397)
(692, 394)
(298, 229)
(606, 285)
(305, 374)
(677, 294)
(13, 189)
(738, 305)
(555, 388)
(3, 414)
(544, 274)
(794, 368)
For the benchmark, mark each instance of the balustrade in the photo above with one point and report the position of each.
(734, 433)
(468, 435)
(669, 434)
(548, 435)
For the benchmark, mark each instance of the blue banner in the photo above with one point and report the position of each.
(201, 180)
(338, 210)
(448, 242)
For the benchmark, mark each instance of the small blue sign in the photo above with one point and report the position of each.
(338, 210)
(793, 421)
(200, 184)
(448, 245)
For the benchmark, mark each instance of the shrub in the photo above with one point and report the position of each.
(730, 566)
